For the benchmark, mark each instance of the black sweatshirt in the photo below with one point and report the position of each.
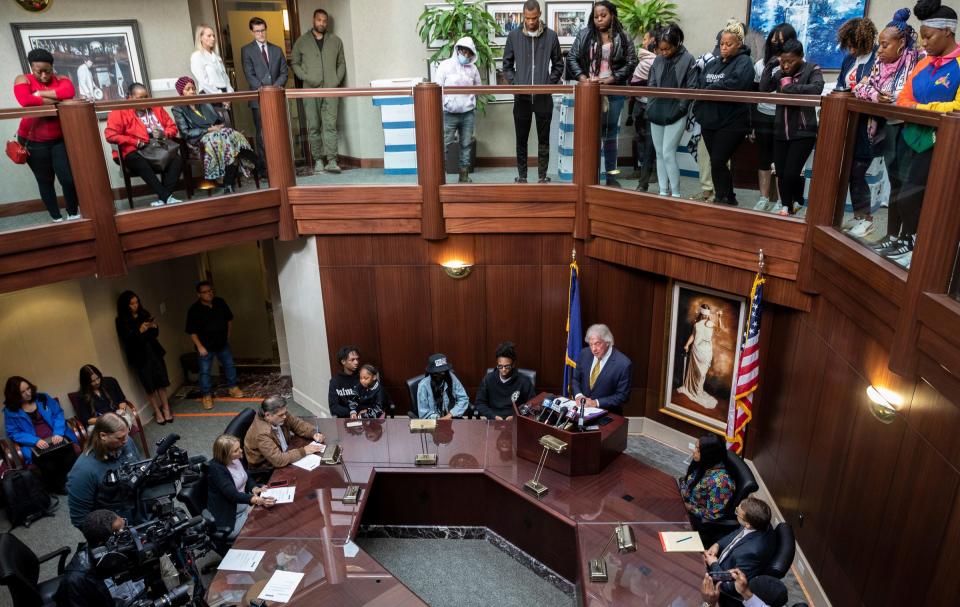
(343, 390)
(494, 396)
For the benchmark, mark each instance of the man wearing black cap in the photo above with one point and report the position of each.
(440, 395)
(761, 591)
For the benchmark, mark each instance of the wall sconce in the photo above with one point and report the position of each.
(880, 405)
(626, 542)
(457, 269)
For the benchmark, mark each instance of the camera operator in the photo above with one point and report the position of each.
(80, 586)
(107, 449)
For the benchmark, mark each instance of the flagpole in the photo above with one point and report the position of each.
(761, 264)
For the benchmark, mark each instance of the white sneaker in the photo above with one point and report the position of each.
(57, 220)
(903, 260)
(318, 167)
(849, 224)
(173, 200)
(864, 226)
(777, 208)
(762, 204)
(157, 203)
(664, 194)
(799, 211)
(73, 217)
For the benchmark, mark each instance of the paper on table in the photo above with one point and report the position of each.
(308, 461)
(281, 585)
(322, 446)
(681, 541)
(241, 560)
(282, 495)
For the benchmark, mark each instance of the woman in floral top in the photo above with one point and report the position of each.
(706, 488)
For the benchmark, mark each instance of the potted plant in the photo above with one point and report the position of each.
(638, 16)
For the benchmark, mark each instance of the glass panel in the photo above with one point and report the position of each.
(207, 156)
(744, 144)
(884, 191)
(954, 289)
(374, 142)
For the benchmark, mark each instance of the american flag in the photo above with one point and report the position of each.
(748, 374)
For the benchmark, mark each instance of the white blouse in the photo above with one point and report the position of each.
(209, 72)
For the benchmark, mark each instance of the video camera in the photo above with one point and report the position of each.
(164, 468)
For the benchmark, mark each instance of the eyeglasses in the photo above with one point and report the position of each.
(504, 366)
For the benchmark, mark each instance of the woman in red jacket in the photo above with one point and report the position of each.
(131, 130)
(42, 136)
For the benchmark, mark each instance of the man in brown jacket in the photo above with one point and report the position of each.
(267, 443)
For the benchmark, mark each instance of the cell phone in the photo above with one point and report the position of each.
(721, 576)
(604, 421)
(277, 484)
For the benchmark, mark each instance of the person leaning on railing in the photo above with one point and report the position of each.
(43, 137)
(796, 127)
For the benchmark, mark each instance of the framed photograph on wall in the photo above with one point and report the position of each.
(509, 17)
(102, 58)
(499, 79)
(567, 19)
(816, 22)
(702, 355)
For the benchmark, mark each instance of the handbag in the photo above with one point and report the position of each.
(159, 153)
(17, 152)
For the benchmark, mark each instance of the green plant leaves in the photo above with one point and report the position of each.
(638, 16)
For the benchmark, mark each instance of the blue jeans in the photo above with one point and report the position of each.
(462, 124)
(225, 356)
(609, 131)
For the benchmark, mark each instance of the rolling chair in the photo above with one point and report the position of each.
(20, 573)
(414, 413)
(240, 424)
(783, 555)
(194, 496)
(530, 373)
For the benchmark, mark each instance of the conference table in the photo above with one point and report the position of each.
(477, 483)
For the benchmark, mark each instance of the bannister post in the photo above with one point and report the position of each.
(81, 134)
(828, 168)
(936, 248)
(279, 153)
(586, 149)
(428, 115)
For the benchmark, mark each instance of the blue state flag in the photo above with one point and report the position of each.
(574, 329)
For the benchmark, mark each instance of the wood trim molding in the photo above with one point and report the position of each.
(279, 153)
(354, 194)
(428, 117)
(586, 154)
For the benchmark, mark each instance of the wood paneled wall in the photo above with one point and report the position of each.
(389, 296)
(875, 506)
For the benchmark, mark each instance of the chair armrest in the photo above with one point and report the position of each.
(13, 458)
(143, 436)
(79, 428)
(63, 552)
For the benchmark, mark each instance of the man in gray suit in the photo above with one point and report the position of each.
(264, 64)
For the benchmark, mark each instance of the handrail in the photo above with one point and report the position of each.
(509, 89)
(349, 92)
(710, 95)
(895, 112)
(137, 104)
(29, 112)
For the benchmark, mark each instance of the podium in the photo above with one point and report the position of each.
(587, 453)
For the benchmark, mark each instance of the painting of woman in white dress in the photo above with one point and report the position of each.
(703, 351)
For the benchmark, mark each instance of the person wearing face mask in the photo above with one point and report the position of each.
(876, 136)
(762, 119)
(724, 125)
(796, 127)
(43, 137)
(532, 56)
(459, 111)
(440, 395)
(934, 85)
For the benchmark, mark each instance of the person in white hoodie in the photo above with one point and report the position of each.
(459, 111)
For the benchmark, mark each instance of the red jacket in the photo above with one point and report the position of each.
(126, 130)
(46, 128)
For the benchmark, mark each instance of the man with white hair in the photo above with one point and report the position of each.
(603, 374)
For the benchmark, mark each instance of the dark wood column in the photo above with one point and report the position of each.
(276, 141)
(81, 132)
(830, 173)
(428, 114)
(586, 150)
(936, 248)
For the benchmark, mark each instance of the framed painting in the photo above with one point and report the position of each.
(498, 78)
(102, 58)
(509, 17)
(567, 19)
(816, 22)
(702, 355)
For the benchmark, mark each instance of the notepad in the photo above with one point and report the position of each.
(281, 586)
(308, 462)
(282, 495)
(680, 541)
(241, 560)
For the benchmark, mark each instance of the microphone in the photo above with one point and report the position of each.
(526, 411)
(165, 443)
(583, 413)
(547, 405)
(563, 414)
(573, 418)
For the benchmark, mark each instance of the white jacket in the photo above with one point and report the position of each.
(209, 73)
(451, 73)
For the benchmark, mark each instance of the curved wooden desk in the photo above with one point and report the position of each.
(478, 482)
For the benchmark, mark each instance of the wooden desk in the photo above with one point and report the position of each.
(477, 482)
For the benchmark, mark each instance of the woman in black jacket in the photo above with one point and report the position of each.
(796, 127)
(372, 398)
(230, 491)
(724, 124)
(138, 332)
(603, 53)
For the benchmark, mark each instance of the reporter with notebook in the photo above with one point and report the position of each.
(267, 443)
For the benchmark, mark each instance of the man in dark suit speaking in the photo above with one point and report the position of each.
(603, 374)
(264, 64)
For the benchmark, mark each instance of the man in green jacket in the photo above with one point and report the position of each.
(317, 60)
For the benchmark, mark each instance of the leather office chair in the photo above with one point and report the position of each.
(194, 497)
(530, 373)
(745, 484)
(239, 425)
(783, 555)
(20, 573)
(413, 413)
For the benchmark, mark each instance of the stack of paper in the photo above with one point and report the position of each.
(241, 560)
(308, 462)
(280, 586)
(681, 541)
(282, 495)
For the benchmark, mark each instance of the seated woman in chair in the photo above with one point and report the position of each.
(226, 152)
(230, 491)
(372, 397)
(99, 395)
(707, 488)
(34, 420)
(440, 395)
(132, 130)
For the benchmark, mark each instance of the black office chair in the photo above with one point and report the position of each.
(413, 413)
(530, 373)
(783, 555)
(240, 423)
(194, 496)
(744, 484)
(20, 572)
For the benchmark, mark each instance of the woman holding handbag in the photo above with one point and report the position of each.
(144, 138)
(39, 141)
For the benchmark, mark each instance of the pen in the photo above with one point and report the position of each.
(684, 539)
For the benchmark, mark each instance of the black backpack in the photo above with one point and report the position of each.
(25, 498)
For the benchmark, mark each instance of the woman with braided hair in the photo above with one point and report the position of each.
(605, 54)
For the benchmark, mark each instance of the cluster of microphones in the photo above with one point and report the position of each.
(569, 414)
